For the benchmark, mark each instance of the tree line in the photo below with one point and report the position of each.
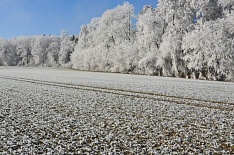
(47, 51)
(180, 38)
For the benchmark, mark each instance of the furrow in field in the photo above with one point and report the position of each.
(153, 96)
(67, 119)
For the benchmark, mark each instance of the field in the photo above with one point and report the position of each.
(64, 111)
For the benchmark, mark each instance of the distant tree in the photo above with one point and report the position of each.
(23, 48)
(53, 51)
(39, 52)
(66, 49)
(2, 42)
(8, 53)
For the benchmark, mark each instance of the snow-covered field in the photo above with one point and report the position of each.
(62, 111)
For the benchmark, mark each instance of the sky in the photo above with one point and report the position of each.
(50, 17)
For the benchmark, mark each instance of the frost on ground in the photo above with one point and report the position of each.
(65, 112)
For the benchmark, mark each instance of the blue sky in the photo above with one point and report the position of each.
(36, 17)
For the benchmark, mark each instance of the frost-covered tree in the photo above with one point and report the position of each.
(99, 41)
(170, 54)
(148, 39)
(39, 52)
(82, 55)
(149, 28)
(206, 10)
(8, 53)
(53, 51)
(2, 44)
(23, 48)
(177, 19)
(209, 50)
(227, 6)
(36, 50)
(66, 49)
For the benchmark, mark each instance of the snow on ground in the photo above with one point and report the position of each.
(211, 90)
(61, 111)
